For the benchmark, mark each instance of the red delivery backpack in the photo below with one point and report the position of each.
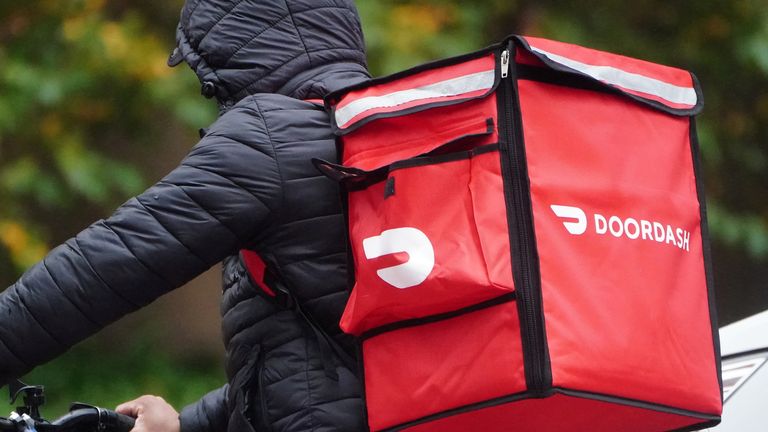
(528, 234)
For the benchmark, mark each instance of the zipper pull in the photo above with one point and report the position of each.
(504, 63)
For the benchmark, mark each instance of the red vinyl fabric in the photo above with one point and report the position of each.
(422, 370)
(669, 86)
(556, 414)
(465, 269)
(529, 244)
(392, 139)
(257, 270)
(639, 295)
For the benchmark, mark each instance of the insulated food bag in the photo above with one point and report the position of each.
(528, 234)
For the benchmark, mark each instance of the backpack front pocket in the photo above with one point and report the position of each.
(426, 239)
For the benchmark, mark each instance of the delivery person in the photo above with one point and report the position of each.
(248, 184)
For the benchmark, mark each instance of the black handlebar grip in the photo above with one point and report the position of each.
(117, 422)
(84, 417)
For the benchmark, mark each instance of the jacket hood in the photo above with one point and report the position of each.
(300, 48)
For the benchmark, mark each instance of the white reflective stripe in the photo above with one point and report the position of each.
(451, 87)
(628, 80)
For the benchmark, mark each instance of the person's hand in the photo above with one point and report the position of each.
(152, 414)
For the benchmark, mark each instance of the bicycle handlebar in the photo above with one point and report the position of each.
(90, 418)
(79, 420)
(81, 417)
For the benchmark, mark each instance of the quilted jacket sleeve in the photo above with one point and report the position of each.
(220, 197)
(209, 414)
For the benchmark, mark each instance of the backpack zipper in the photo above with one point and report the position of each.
(505, 63)
(523, 247)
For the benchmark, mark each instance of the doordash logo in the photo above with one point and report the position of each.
(576, 223)
(421, 255)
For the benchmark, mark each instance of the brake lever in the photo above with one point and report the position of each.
(34, 398)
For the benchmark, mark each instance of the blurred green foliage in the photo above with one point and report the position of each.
(86, 101)
(83, 84)
(108, 376)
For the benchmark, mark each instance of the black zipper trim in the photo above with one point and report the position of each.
(250, 388)
(354, 179)
(443, 158)
(559, 78)
(359, 370)
(376, 331)
(707, 420)
(706, 250)
(522, 239)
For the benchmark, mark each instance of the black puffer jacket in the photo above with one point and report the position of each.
(249, 183)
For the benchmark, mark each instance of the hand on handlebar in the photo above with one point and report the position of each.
(152, 413)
